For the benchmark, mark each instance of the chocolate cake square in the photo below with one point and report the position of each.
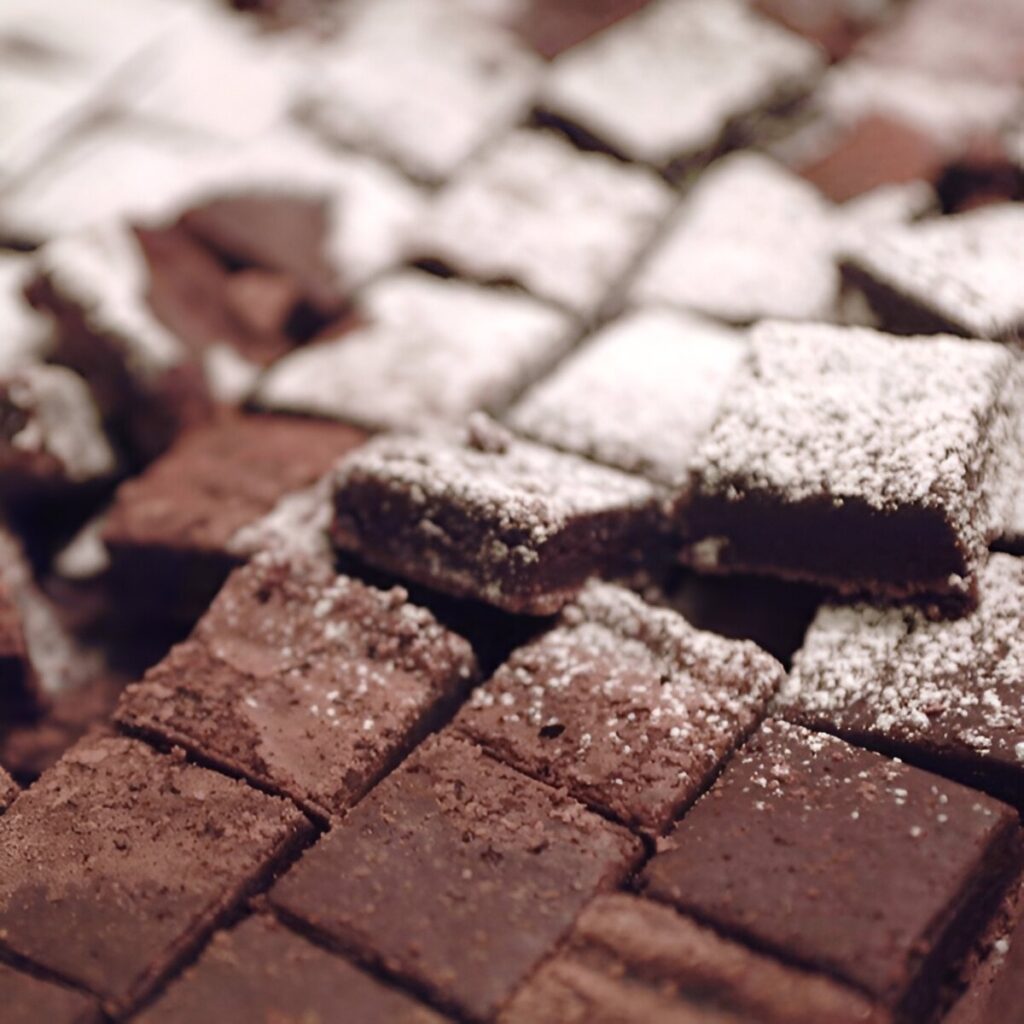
(843, 860)
(481, 514)
(421, 83)
(29, 1000)
(169, 531)
(262, 971)
(859, 461)
(944, 695)
(309, 684)
(424, 349)
(119, 860)
(534, 211)
(638, 396)
(728, 61)
(631, 959)
(457, 874)
(625, 706)
(960, 274)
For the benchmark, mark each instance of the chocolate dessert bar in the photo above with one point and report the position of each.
(309, 684)
(482, 514)
(456, 874)
(532, 210)
(262, 971)
(629, 959)
(118, 861)
(424, 349)
(944, 695)
(841, 860)
(420, 83)
(638, 396)
(858, 461)
(28, 1000)
(169, 532)
(625, 706)
(958, 274)
(728, 61)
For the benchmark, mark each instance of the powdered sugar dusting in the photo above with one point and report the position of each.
(296, 525)
(638, 396)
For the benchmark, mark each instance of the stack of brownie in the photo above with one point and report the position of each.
(512, 511)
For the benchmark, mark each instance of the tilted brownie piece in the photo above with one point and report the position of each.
(169, 531)
(262, 971)
(29, 1000)
(553, 26)
(625, 706)
(842, 860)
(118, 861)
(457, 874)
(421, 83)
(631, 960)
(481, 514)
(858, 461)
(51, 437)
(730, 62)
(424, 349)
(638, 396)
(533, 210)
(310, 684)
(9, 789)
(959, 274)
(944, 695)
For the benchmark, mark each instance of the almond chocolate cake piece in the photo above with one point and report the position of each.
(859, 461)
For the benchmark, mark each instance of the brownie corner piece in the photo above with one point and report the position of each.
(856, 460)
(455, 845)
(803, 829)
(480, 513)
(624, 705)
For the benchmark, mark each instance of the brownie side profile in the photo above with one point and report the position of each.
(482, 514)
(457, 874)
(858, 461)
(262, 971)
(629, 959)
(310, 684)
(842, 860)
(25, 999)
(119, 860)
(626, 706)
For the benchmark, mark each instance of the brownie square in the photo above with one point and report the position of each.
(638, 396)
(533, 210)
(29, 1000)
(420, 83)
(751, 240)
(309, 684)
(840, 859)
(856, 460)
(169, 531)
(729, 62)
(944, 695)
(628, 959)
(625, 706)
(457, 874)
(959, 274)
(424, 349)
(262, 971)
(481, 514)
(119, 860)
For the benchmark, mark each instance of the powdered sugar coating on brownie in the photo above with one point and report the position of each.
(967, 268)
(626, 84)
(638, 396)
(626, 706)
(421, 83)
(751, 240)
(952, 687)
(431, 349)
(566, 225)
